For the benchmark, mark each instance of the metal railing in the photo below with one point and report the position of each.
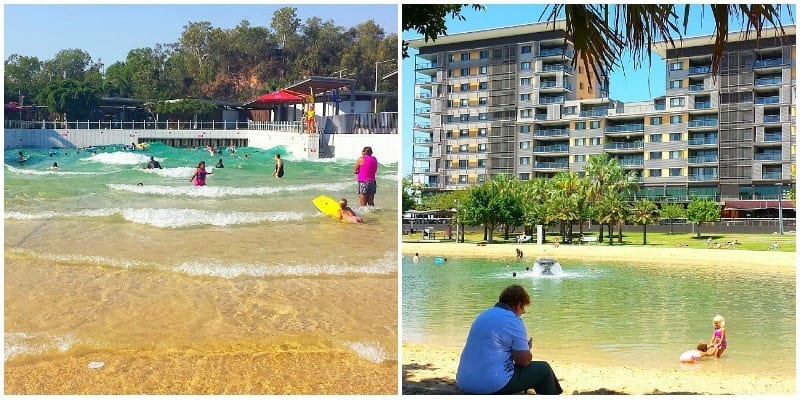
(427, 65)
(624, 128)
(702, 69)
(129, 125)
(557, 51)
(696, 87)
(627, 162)
(365, 123)
(768, 100)
(594, 113)
(702, 159)
(702, 177)
(551, 165)
(556, 67)
(551, 132)
(772, 118)
(770, 62)
(624, 145)
(699, 105)
(699, 123)
(548, 84)
(770, 175)
(551, 100)
(768, 81)
(556, 148)
(771, 156)
(703, 141)
(422, 155)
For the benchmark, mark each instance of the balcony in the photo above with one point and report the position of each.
(702, 177)
(703, 141)
(422, 126)
(624, 146)
(772, 118)
(768, 81)
(422, 170)
(594, 113)
(551, 100)
(630, 162)
(624, 128)
(551, 165)
(773, 136)
(768, 100)
(556, 67)
(551, 132)
(660, 106)
(548, 84)
(700, 123)
(422, 154)
(701, 69)
(540, 117)
(422, 140)
(770, 62)
(771, 175)
(703, 159)
(556, 51)
(429, 65)
(771, 156)
(422, 110)
(555, 148)
(701, 105)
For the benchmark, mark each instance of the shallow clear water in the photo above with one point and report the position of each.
(636, 315)
(93, 260)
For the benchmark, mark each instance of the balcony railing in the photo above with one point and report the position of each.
(699, 123)
(703, 177)
(624, 145)
(422, 140)
(702, 141)
(556, 148)
(767, 156)
(773, 137)
(703, 159)
(768, 81)
(427, 65)
(770, 62)
(551, 100)
(660, 106)
(768, 100)
(771, 175)
(594, 113)
(422, 126)
(625, 128)
(701, 69)
(548, 84)
(551, 132)
(551, 165)
(772, 118)
(629, 162)
(420, 154)
(424, 96)
(422, 110)
(696, 87)
(540, 117)
(556, 67)
(700, 105)
(422, 170)
(557, 51)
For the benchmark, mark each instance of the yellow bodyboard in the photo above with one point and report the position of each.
(327, 205)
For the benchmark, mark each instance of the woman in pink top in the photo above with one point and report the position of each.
(366, 168)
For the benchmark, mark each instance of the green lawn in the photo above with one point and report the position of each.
(749, 241)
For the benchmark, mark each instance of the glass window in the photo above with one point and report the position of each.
(580, 158)
(579, 142)
(482, 101)
(464, 56)
(481, 148)
(525, 129)
(676, 84)
(675, 119)
(464, 87)
(463, 148)
(655, 155)
(462, 163)
(525, 81)
(525, 113)
(451, 57)
(580, 125)
(463, 132)
(525, 97)
(481, 132)
(462, 179)
(655, 172)
(524, 176)
(464, 103)
(676, 102)
(464, 117)
(674, 137)
(483, 70)
(525, 49)
(524, 161)
(525, 65)
(655, 120)
(676, 66)
(655, 137)
(481, 161)
(525, 145)
(571, 110)
(483, 85)
(595, 141)
(483, 116)
(464, 71)
(594, 124)
(674, 155)
(674, 172)
(484, 54)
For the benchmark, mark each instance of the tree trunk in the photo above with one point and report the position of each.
(670, 227)
(644, 235)
(619, 231)
(610, 235)
(602, 230)
(698, 230)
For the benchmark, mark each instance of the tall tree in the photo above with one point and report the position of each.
(671, 211)
(644, 212)
(701, 211)
(71, 99)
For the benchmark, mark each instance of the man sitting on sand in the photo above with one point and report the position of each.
(497, 358)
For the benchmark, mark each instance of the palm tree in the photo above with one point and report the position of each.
(644, 212)
(569, 201)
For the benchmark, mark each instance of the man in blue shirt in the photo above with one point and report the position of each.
(497, 358)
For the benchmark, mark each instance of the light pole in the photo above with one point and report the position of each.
(375, 110)
(780, 208)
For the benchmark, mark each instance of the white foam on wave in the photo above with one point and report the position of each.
(224, 191)
(119, 158)
(18, 343)
(77, 258)
(169, 217)
(372, 352)
(23, 171)
(177, 172)
(390, 177)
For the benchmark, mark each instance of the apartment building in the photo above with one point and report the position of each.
(511, 101)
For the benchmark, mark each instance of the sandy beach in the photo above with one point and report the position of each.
(429, 369)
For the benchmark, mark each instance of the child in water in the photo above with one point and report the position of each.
(701, 351)
(719, 339)
(346, 213)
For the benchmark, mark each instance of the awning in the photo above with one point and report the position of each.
(320, 84)
(757, 204)
(270, 99)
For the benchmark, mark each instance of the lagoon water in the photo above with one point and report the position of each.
(618, 315)
(97, 266)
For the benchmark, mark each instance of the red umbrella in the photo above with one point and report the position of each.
(12, 106)
(281, 96)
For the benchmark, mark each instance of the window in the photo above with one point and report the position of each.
(594, 141)
(463, 148)
(481, 178)
(449, 118)
(571, 110)
(525, 113)
(674, 172)
(655, 172)
(655, 120)
(482, 132)
(463, 132)
(448, 134)
(449, 73)
(464, 71)
(594, 124)
(676, 84)
(524, 145)
(462, 163)
(674, 155)
(483, 116)
(462, 179)
(483, 70)
(524, 176)
(482, 101)
(525, 66)
(482, 149)
(676, 66)
(483, 85)
(525, 129)
(464, 87)
(655, 155)
(484, 54)
(579, 142)
(674, 137)
(464, 103)
(655, 137)
(451, 57)
(481, 161)
(580, 158)
(525, 49)
(580, 85)
(525, 97)
(675, 119)
(580, 125)
(464, 56)
(464, 117)
(524, 161)
(676, 102)
(525, 81)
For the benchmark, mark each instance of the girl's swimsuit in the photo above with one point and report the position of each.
(718, 334)
(200, 179)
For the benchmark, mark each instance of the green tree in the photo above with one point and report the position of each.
(672, 211)
(409, 190)
(700, 211)
(71, 99)
(490, 205)
(67, 64)
(185, 109)
(534, 197)
(22, 78)
(612, 210)
(430, 20)
(568, 199)
(644, 212)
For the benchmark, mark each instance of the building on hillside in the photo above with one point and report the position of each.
(509, 101)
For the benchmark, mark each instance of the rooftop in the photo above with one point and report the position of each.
(661, 48)
(492, 33)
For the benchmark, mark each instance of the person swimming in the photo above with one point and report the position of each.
(153, 164)
(347, 214)
(219, 164)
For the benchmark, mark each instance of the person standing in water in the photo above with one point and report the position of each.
(199, 177)
(366, 167)
(278, 173)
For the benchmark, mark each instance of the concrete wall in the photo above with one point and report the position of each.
(386, 148)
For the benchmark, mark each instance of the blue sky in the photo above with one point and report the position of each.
(109, 31)
(627, 85)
